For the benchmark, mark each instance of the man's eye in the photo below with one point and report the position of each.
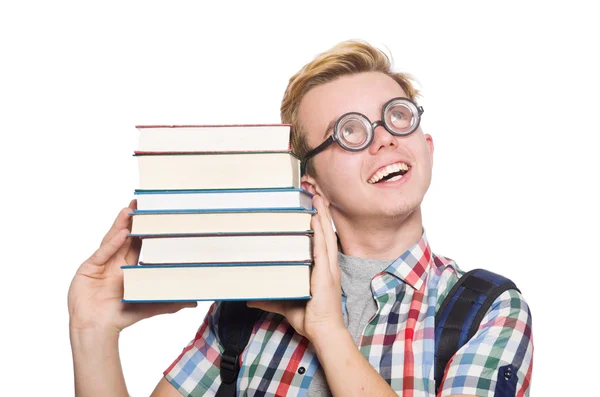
(395, 116)
(349, 131)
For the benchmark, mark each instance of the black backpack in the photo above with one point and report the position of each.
(456, 322)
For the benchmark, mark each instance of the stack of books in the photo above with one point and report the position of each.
(221, 215)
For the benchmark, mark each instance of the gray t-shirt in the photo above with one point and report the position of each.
(357, 274)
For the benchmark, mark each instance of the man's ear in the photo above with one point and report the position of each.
(429, 140)
(310, 185)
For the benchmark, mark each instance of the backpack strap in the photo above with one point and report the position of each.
(236, 322)
(461, 312)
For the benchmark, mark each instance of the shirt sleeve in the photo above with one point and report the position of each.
(498, 360)
(196, 372)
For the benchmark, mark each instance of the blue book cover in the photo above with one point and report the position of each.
(169, 200)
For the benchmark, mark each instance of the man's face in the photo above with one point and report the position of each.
(345, 178)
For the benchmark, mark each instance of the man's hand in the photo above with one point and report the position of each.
(96, 290)
(323, 312)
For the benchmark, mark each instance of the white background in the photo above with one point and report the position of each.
(511, 99)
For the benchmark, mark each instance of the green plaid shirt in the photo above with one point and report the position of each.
(398, 341)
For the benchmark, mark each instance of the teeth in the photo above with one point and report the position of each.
(388, 170)
(394, 178)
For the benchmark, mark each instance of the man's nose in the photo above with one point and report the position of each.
(381, 138)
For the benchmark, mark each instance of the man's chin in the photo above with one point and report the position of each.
(400, 211)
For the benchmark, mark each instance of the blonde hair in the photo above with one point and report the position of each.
(345, 58)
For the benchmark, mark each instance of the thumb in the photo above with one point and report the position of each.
(172, 307)
(141, 311)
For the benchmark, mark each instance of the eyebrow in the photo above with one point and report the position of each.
(329, 127)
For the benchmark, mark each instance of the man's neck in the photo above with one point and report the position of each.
(379, 240)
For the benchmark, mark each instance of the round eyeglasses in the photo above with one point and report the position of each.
(354, 131)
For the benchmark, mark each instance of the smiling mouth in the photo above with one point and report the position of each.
(390, 173)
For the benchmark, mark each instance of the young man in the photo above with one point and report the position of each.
(369, 327)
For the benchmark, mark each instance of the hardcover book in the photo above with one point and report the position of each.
(216, 282)
(213, 138)
(226, 249)
(221, 222)
(182, 200)
(218, 171)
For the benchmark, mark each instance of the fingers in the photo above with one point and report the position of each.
(320, 272)
(330, 237)
(131, 249)
(170, 307)
(108, 249)
(140, 311)
(132, 256)
(122, 221)
(127, 254)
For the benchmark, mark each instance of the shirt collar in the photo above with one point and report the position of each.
(413, 265)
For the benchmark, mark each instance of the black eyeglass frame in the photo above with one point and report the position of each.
(335, 136)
